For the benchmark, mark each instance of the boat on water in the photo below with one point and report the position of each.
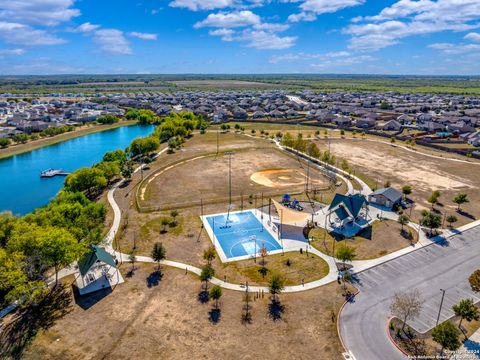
(53, 172)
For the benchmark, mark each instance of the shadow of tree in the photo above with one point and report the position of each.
(246, 315)
(276, 310)
(154, 278)
(214, 315)
(466, 214)
(19, 333)
(203, 297)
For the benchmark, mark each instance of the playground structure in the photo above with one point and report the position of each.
(292, 204)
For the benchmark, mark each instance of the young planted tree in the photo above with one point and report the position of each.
(406, 305)
(215, 294)
(207, 273)
(451, 219)
(474, 281)
(158, 253)
(174, 214)
(406, 190)
(209, 255)
(345, 253)
(263, 271)
(164, 221)
(467, 310)
(263, 253)
(433, 199)
(446, 334)
(403, 220)
(276, 285)
(431, 220)
(460, 199)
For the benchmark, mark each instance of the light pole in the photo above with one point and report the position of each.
(229, 153)
(441, 304)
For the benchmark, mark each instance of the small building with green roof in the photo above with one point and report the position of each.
(97, 270)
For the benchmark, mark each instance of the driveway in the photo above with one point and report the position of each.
(363, 322)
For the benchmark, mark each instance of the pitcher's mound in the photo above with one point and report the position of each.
(281, 178)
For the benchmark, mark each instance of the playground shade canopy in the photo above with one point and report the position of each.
(289, 216)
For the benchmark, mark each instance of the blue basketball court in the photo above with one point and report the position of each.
(240, 234)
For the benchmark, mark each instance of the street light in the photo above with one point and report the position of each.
(441, 304)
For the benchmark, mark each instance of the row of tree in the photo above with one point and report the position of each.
(50, 238)
(307, 147)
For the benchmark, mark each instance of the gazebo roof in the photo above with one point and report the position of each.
(89, 259)
(352, 203)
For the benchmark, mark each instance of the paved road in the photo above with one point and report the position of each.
(363, 322)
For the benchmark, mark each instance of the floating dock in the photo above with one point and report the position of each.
(53, 172)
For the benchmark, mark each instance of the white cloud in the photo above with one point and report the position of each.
(112, 41)
(11, 52)
(348, 61)
(271, 27)
(306, 57)
(408, 18)
(86, 28)
(15, 33)
(143, 36)
(225, 34)
(472, 36)
(196, 5)
(265, 40)
(312, 8)
(230, 20)
(38, 12)
(453, 49)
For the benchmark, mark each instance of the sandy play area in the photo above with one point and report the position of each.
(277, 178)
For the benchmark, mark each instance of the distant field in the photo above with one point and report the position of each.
(224, 84)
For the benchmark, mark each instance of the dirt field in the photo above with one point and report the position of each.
(252, 173)
(382, 238)
(167, 321)
(382, 163)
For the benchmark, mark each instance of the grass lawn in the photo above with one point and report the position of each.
(293, 266)
(166, 320)
(382, 238)
(80, 131)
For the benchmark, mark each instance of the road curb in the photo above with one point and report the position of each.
(391, 339)
(338, 322)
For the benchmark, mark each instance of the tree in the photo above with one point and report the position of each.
(403, 220)
(346, 253)
(446, 334)
(127, 170)
(4, 142)
(460, 199)
(20, 138)
(174, 214)
(467, 310)
(406, 190)
(431, 220)
(107, 119)
(60, 248)
(85, 179)
(215, 294)
(406, 305)
(207, 273)
(263, 271)
(117, 155)
(313, 150)
(144, 146)
(263, 253)
(344, 165)
(164, 221)
(209, 255)
(158, 253)
(451, 219)
(276, 285)
(110, 169)
(474, 281)
(433, 199)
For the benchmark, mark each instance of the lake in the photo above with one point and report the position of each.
(22, 188)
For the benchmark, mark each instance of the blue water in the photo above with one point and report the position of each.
(22, 189)
(236, 239)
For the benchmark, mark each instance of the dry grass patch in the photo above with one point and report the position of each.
(382, 238)
(167, 321)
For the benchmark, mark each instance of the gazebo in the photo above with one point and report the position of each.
(347, 214)
(97, 270)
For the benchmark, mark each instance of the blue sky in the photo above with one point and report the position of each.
(431, 37)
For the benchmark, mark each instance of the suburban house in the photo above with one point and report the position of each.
(392, 125)
(97, 270)
(388, 197)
